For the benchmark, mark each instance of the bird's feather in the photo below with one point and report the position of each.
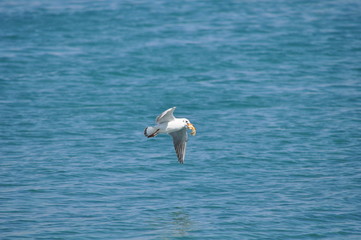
(166, 116)
(180, 139)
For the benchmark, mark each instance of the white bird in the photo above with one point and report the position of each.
(176, 127)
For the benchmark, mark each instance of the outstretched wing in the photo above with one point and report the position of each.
(166, 116)
(180, 139)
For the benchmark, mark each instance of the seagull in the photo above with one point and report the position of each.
(176, 127)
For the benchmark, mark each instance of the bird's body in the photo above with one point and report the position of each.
(167, 127)
(176, 127)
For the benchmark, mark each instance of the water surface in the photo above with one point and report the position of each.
(273, 88)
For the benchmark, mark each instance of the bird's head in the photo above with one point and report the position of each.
(189, 125)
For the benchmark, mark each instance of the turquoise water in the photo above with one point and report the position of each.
(273, 88)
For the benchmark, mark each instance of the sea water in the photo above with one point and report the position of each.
(273, 88)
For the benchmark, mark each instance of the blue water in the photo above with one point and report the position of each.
(273, 88)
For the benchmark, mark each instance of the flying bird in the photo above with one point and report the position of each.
(176, 127)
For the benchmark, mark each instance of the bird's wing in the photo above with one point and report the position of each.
(166, 116)
(180, 139)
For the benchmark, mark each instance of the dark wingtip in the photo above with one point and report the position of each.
(145, 132)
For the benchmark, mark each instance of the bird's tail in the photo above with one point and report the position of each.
(151, 132)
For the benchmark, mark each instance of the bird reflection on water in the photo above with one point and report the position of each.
(181, 222)
(177, 224)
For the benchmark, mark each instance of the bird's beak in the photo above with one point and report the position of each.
(191, 127)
